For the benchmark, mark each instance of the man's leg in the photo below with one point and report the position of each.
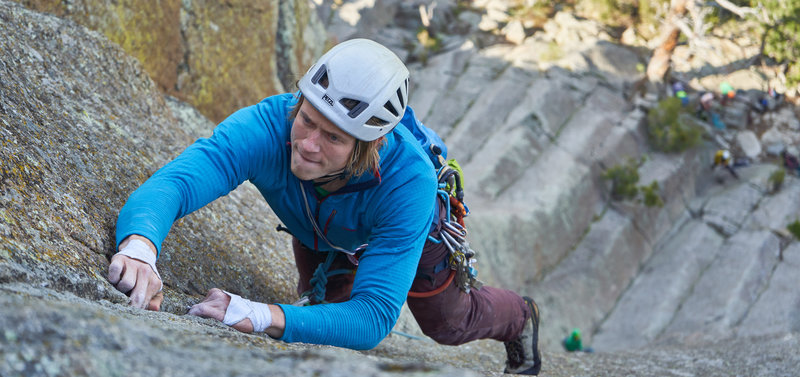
(732, 171)
(338, 287)
(453, 317)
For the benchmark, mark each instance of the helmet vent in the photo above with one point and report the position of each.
(391, 108)
(355, 106)
(375, 121)
(400, 97)
(321, 77)
(400, 93)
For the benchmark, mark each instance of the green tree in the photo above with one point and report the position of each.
(780, 22)
(624, 178)
(651, 195)
(794, 228)
(669, 129)
(781, 33)
(776, 179)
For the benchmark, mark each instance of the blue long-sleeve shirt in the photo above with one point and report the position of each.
(391, 211)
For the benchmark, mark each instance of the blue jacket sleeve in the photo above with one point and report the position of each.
(208, 169)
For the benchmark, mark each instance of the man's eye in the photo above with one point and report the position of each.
(334, 138)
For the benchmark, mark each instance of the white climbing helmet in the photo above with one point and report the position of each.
(357, 81)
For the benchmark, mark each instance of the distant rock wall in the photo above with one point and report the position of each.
(534, 130)
(536, 123)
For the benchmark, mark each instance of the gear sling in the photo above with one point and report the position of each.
(452, 232)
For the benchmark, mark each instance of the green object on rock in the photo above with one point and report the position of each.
(573, 343)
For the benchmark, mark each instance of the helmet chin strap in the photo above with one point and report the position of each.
(325, 179)
(328, 178)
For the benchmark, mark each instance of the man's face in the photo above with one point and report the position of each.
(319, 147)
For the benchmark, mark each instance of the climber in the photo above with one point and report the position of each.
(724, 158)
(709, 111)
(706, 100)
(726, 92)
(790, 162)
(768, 101)
(338, 173)
(679, 91)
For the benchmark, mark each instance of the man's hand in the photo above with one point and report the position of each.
(136, 278)
(215, 305)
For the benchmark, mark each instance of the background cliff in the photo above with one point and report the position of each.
(703, 285)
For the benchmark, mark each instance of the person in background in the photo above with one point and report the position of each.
(359, 197)
(724, 158)
(679, 91)
(727, 93)
(790, 162)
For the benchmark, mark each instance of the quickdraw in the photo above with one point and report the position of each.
(453, 233)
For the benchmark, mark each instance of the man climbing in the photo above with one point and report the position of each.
(727, 93)
(790, 162)
(356, 193)
(679, 91)
(723, 158)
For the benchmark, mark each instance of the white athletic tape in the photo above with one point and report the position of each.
(241, 308)
(139, 250)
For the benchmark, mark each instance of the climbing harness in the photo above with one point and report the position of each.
(319, 279)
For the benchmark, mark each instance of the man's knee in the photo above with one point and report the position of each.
(445, 335)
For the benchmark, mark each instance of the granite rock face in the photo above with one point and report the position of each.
(83, 125)
(704, 285)
(219, 57)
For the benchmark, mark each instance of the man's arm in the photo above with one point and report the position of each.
(216, 304)
(241, 145)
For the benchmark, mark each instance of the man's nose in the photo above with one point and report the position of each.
(311, 142)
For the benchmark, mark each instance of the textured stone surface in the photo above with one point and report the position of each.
(778, 308)
(82, 127)
(778, 210)
(640, 315)
(219, 57)
(50, 333)
(584, 287)
(729, 210)
(726, 291)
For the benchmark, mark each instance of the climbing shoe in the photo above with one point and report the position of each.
(523, 352)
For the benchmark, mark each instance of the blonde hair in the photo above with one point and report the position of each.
(365, 157)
